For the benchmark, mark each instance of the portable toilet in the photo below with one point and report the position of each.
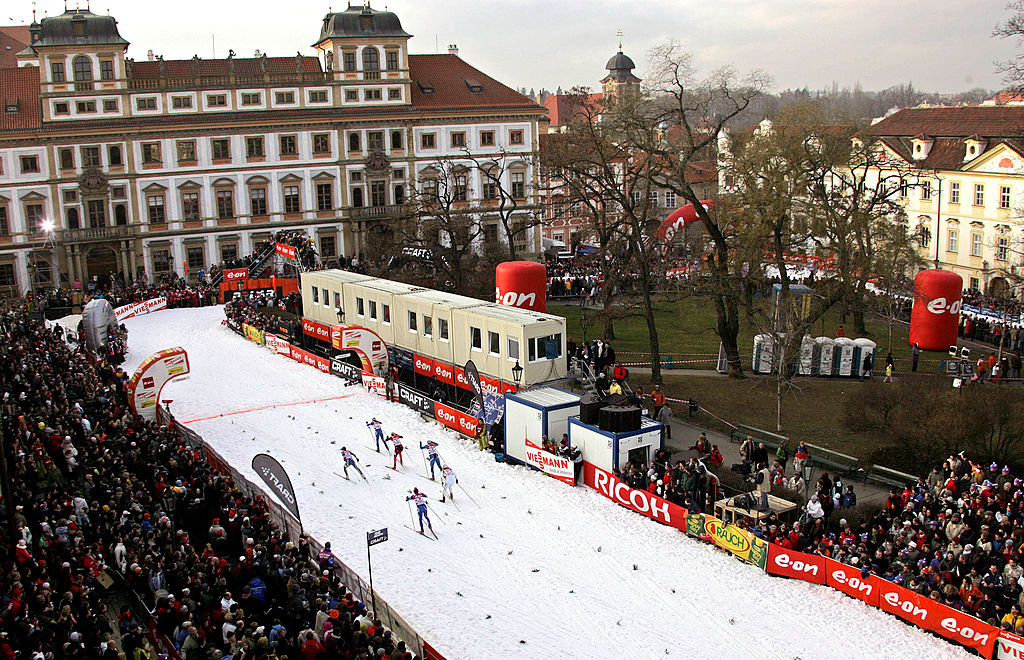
(826, 350)
(843, 355)
(763, 354)
(805, 366)
(863, 347)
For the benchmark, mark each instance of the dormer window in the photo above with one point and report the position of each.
(78, 27)
(922, 145)
(425, 87)
(474, 86)
(366, 22)
(973, 147)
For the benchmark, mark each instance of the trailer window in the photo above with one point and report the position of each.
(513, 348)
(359, 306)
(475, 338)
(544, 348)
(337, 300)
(316, 295)
(412, 321)
(428, 326)
(373, 310)
(385, 314)
(442, 328)
(493, 343)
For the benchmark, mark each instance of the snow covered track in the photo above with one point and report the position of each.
(539, 569)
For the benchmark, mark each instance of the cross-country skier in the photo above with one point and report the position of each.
(432, 456)
(350, 460)
(378, 433)
(396, 440)
(421, 508)
(448, 481)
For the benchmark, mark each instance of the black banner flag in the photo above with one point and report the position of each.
(277, 479)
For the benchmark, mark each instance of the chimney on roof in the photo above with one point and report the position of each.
(453, 49)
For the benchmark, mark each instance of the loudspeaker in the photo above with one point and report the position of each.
(590, 409)
(630, 418)
(609, 419)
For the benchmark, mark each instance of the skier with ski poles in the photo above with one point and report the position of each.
(448, 481)
(350, 461)
(421, 509)
(378, 433)
(396, 441)
(431, 448)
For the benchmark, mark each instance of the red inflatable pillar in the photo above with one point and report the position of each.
(936, 313)
(521, 284)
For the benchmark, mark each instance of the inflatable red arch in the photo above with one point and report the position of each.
(681, 217)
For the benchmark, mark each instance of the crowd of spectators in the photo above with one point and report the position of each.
(107, 503)
(250, 308)
(573, 278)
(955, 536)
(689, 484)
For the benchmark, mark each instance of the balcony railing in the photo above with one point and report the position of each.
(90, 234)
(214, 82)
(389, 211)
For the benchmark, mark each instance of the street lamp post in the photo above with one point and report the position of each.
(517, 374)
(584, 324)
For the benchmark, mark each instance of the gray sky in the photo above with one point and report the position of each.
(939, 45)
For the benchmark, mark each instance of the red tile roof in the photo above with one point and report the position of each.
(13, 39)
(20, 87)
(244, 66)
(448, 75)
(563, 107)
(960, 121)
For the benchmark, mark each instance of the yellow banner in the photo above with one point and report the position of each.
(253, 334)
(735, 539)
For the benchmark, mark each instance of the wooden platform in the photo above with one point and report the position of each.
(731, 514)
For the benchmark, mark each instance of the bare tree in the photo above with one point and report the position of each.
(691, 113)
(1012, 28)
(504, 195)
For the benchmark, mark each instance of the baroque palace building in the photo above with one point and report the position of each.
(152, 167)
(963, 187)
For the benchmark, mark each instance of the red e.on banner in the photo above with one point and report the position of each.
(455, 419)
(423, 365)
(850, 581)
(286, 251)
(936, 617)
(799, 565)
(235, 274)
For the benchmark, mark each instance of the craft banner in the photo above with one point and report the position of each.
(344, 370)
(274, 475)
(415, 400)
(555, 466)
(140, 308)
(735, 539)
(640, 501)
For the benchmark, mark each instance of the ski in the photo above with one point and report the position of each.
(423, 534)
(341, 475)
(452, 500)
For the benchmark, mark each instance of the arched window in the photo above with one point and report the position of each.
(371, 59)
(82, 67)
(353, 142)
(120, 215)
(73, 222)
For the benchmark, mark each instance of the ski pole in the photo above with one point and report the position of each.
(435, 514)
(424, 455)
(412, 520)
(469, 496)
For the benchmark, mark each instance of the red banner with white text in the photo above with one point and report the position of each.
(286, 251)
(455, 419)
(316, 330)
(799, 565)
(423, 365)
(305, 357)
(640, 501)
(236, 274)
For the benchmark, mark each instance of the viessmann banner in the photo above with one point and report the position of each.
(555, 466)
(140, 308)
